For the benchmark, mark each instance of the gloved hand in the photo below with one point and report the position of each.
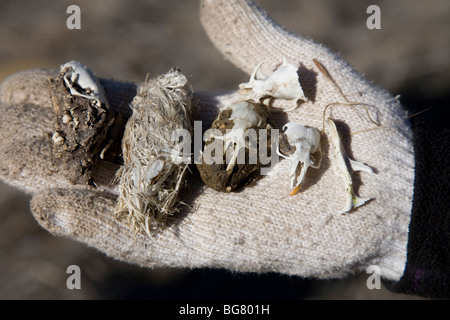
(261, 228)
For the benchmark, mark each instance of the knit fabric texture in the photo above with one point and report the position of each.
(260, 228)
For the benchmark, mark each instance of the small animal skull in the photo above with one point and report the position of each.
(243, 116)
(80, 80)
(283, 83)
(237, 138)
(299, 143)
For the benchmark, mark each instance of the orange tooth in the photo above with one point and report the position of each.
(295, 190)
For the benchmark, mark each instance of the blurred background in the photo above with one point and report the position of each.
(126, 40)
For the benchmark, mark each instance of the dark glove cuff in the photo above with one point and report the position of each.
(427, 271)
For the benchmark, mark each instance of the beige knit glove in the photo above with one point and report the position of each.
(262, 228)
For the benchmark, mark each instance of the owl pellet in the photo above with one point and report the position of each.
(231, 136)
(83, 121)
(150, 179)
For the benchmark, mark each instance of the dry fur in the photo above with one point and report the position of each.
(161, 107)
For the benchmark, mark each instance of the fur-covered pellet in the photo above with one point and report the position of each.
(150, 178)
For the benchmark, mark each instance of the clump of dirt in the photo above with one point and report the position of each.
(82, 132)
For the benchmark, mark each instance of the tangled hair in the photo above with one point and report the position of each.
(150, 178)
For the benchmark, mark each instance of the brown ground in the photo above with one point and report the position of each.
(127, 40)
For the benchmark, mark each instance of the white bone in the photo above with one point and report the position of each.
(154, 170)
(344, 167)
(66, 119)
(257, 73)
(283, 83)
(57, 138)
(82, 82)
(306, 141)
(143, 179)
(244, 117)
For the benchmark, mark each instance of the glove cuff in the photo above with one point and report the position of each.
(427, 271)
(392, 265)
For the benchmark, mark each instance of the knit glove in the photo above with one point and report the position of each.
(259, 228)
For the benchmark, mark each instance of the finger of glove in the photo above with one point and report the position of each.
(24, 121)
(244, 242)
(246, 35)
(26, 152)
(28, 165)
(27, 87)
(27, 162)
(87, 216)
